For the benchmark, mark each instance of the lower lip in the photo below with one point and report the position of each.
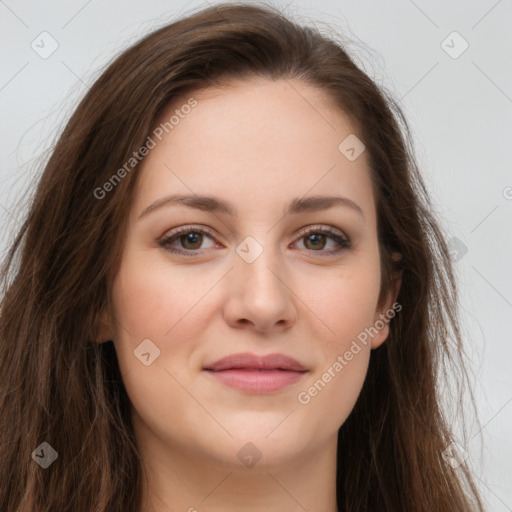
(257, 381)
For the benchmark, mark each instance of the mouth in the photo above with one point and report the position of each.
(257, 374)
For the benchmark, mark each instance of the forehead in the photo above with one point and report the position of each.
(257, 138)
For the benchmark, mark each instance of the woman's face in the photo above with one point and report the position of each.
(252, 233)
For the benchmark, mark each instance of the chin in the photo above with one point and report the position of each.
(250, 449)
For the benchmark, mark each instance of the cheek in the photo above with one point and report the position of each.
(345, 301)
(331, 393)
(152, 300)
(333, 388)
(168, 307)
(164, 305)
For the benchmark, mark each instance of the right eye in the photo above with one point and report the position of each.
(186, 240)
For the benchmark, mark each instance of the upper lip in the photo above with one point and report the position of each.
(251, 361)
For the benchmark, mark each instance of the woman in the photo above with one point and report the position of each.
(229, 292)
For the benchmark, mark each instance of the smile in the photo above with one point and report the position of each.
(257, 374)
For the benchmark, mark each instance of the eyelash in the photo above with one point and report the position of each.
(344, 242)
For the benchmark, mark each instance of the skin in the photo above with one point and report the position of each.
(258, 145)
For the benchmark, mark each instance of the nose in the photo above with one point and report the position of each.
(259, 296)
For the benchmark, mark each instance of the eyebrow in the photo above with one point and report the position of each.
(214, 205)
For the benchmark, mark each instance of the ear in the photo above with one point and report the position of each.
(105, 332)
(386, 312)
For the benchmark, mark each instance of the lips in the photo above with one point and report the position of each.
(247, 361)
(257, 374)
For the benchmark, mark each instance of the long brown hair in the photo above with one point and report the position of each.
(58, 386)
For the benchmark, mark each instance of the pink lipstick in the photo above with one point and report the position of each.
(257, 374)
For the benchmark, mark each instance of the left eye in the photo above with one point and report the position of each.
(317, 240)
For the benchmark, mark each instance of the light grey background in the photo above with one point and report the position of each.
(460, 111)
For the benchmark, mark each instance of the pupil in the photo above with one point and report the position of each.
(316, 240)
(191, 240)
